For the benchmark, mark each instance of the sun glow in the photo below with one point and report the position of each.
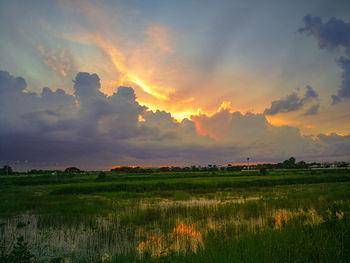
(144, 87)
(277, 121)
(179, 116)
(129, 73)
(118, 59)
(165, 99)
(225, 105)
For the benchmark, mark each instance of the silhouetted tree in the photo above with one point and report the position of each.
(301, 165)
(72, 170)
(263, 170)
(6, 170)
(101, 175)
(290, 163)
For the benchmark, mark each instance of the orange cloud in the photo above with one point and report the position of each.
(278, 121)
(125, 68)
(59, 60)
(148, 64)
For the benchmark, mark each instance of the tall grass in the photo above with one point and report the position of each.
(274, 218)
(199, 185)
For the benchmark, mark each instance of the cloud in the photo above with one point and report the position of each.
(344, 91)
(89, 127)
(334, 145)
(58, 97)
(313, 110)
(332, 35)
(92, 130)
(254, 136)
(59, 60)
(292, 102)
(310, 93)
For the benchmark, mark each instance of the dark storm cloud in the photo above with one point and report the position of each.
(344, 91)
(310, 93)
(18, 105)
(292, 102)
(88, 128)
(53, 127)
(313, 110)
(58, 97)
(10, 84)
(92, 130)
(87, 86)
(331, 35)
(254, 136)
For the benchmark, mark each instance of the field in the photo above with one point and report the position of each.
(285, 216)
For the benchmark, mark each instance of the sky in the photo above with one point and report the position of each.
(95, 84)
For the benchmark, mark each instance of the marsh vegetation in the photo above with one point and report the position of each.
(286, 216)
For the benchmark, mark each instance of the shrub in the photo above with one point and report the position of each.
(19, 254)
(263, 170)
(102, 175)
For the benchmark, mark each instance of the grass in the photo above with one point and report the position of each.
(293, 216)
(294, 243)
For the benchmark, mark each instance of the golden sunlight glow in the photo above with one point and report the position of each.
(149, 106)
(151, 64)
(118, 60)
(129, 71)
(141, 119)
(129, 74)
(225, 105)
(337, 133)
(277, 121)
(183, 229)
(179, 116)
(144, 87)
(126, 166)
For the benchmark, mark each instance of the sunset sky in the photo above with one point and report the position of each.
(173, 82)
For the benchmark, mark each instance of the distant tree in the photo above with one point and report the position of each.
(128, 169)
(194, 168)
(176, 169)
(342, 164)
(164, 169)
(101, 175)
(6, 170)
(231, 168)
(301, 165)
(263, 170)
(72, 170)
(204, 169)
(186, 169)
(290, 163)
(212, 168)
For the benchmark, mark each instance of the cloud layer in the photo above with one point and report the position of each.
(293, 103)
(92, 130)
(332, 35)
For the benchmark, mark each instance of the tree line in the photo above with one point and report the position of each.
(290, 163)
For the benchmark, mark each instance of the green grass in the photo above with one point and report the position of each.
(82, 218)
(199, 184)
(294, 243)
